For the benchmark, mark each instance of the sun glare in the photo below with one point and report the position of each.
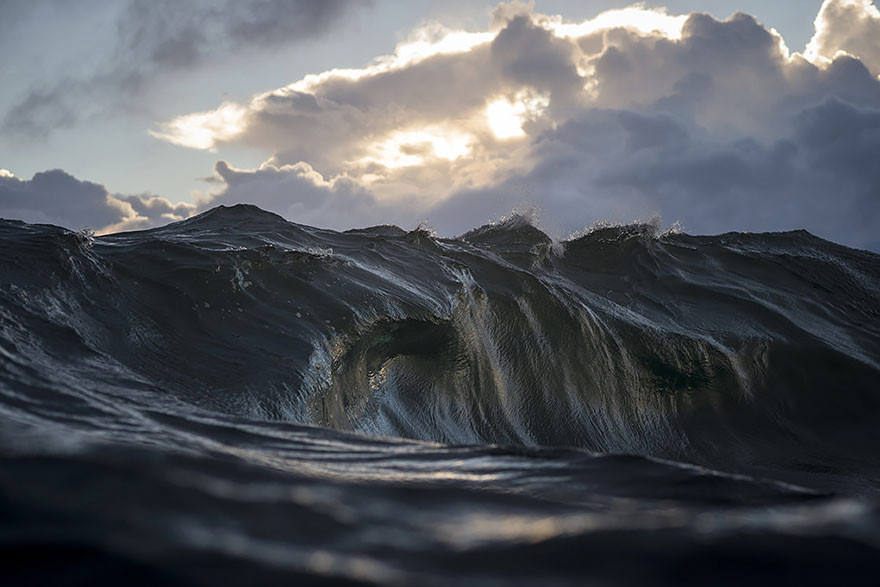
(204, 130)
(408, 148)
(643, 20)
(506, 118)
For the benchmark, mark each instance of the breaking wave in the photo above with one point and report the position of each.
(240, 334)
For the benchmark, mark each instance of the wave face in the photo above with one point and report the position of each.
(235, 369)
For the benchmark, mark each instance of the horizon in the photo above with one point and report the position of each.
(655, 226)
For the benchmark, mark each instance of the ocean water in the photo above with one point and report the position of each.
(240, 399)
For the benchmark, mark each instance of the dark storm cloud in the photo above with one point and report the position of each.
(56, 197)
(160, 37)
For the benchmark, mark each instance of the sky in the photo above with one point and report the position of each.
(724, 115)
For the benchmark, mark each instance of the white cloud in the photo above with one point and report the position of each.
(847, 26)
(636, 18)
(455, 69)
(204, 130)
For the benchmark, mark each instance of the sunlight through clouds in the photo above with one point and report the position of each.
(409, 148)
(635, 109)
(426, 42)
(637, 18)
(506, 118)
(203, 130)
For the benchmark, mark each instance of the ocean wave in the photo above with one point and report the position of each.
(215, 379)
(741, 352)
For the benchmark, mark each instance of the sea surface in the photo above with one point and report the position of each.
(238, 399)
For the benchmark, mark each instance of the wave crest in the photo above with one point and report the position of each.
(745, 352)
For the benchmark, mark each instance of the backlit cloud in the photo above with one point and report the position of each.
(847, 26)
(716, 124)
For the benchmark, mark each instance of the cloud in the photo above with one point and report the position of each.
(13, 13)
(155, 38)
(619, 164)
(276, 22)
(56, 197)
(167, 35)
(716, 124)
(153, 210)
(635, 112)
(847, 26)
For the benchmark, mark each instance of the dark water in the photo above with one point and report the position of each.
(239, 399)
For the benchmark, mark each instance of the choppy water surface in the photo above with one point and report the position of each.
(237, 398)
